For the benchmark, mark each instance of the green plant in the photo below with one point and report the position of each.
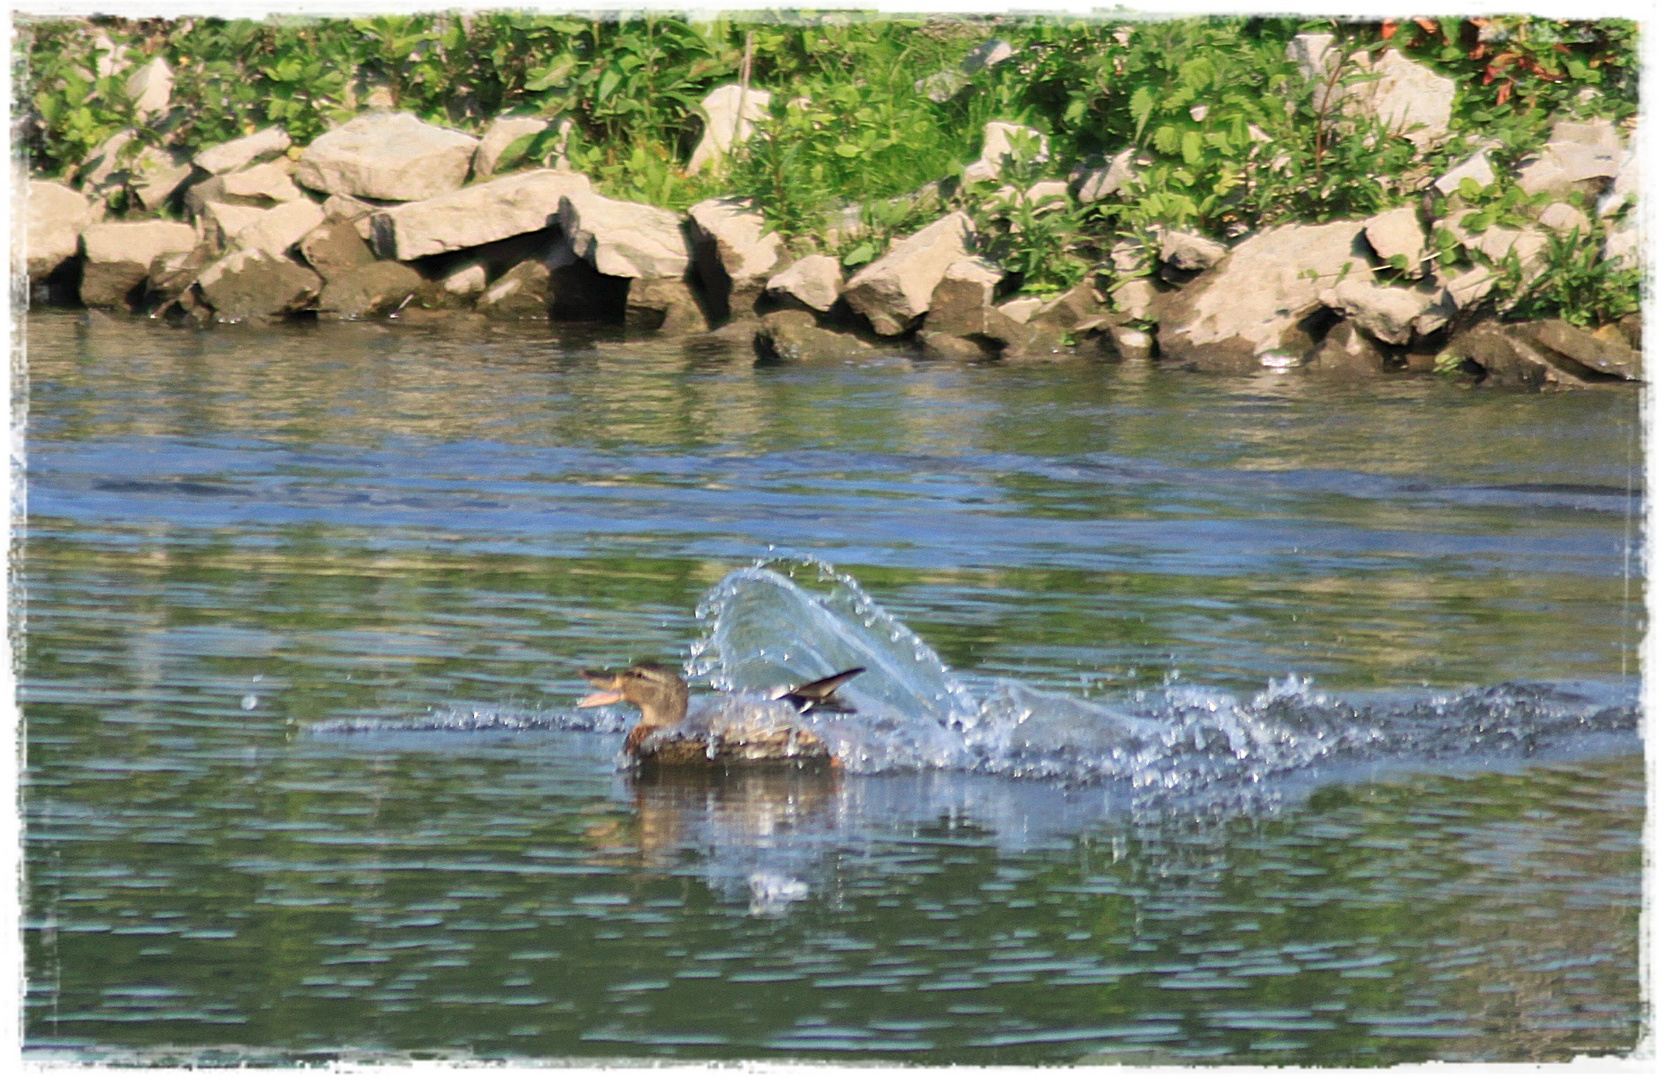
(1573, 282)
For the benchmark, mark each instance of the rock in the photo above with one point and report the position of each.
(281, 227)
(1398, 233)
(1188, 252)
(465, 284)
(1476, 168)
(1602, 356)
(1315, 56)
(119, 255)
(938, 345)
(221, 223)
(354, 211)
(666, 305)
(730, 115)
(1022, 308)
(1563, 218)
(963, 297)
(895, 290)
(387, 156)
(735, 252)
(988, 54)
(580, 293)
(1624, 189)
(268, 182)
(1108, 180)
(1074, 312)
(156, 174)
(814, 280)
(1577, 157)
(334, 248)
(228, 157)
(52, 226)
(1467, 289)
(151, 89)
(253, 284)
(101, 165)
(171, 276)
(624, 239)
(1135, 299)
(1498, 242)
(503, 133)
(1130, 342)
(1047, 195)
(1508, 359)
(1622, 247)
(378, 288)
(1254, 301)
(477, 214)
(796, 337)
(521, 293)
(943, 86)
(1348, 350)
(998, 149)
(1389, 313)
(1408, 98)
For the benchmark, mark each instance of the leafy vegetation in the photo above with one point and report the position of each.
(1230, 136)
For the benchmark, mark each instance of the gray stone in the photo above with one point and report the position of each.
(521, 293)
(624, 239)
(665, 305)
(1563, 218)
(814, 280)
(477, 214)
(280, 228)
(1315, 56)
(1476, 168)
(1135, 298)
(228, 157)
(1577, 157)
(1189, 252)
(466, 283)
(1398, 233)
(1408, 98)
(735, 251)
(1047, 195)
(894, 291)
(52, 224)
(1509, 359)
(254, 284)
(1254, 301)
(1130, 342)
(100, 166)
(1347, 350)
(378, 288)
(796, 337)
(391, 156)
(1622, 246)
(119, 255)
(1022, 308)
(1603, 356)
(1073, 312)
(334, 248)
(156, 174)
(267, 182)
(358, 213)
(1109, 180)
(963, 298)
(503, 133)
(1624, 189)
(150, 88)
(730, 116)
(1466, 290)
(939, 345)
(1388, 313)
(221, 223)
(998, 149)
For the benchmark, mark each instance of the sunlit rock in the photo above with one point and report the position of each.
(391, 156)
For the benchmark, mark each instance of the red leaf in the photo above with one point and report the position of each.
(1505, 94)
(1387, 29)
(1428, 25)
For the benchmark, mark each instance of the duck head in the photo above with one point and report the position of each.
(658, 691)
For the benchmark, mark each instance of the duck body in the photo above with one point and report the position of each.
(724, 730)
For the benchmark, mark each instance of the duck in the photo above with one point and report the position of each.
(726, 729)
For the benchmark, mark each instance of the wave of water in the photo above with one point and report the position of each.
(782, 622)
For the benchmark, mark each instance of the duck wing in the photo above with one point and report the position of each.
(821, 694)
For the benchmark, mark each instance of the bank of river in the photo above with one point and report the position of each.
(304, 608)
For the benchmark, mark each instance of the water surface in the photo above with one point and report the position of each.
(302, 610)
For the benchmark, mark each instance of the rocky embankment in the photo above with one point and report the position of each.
(387, 216)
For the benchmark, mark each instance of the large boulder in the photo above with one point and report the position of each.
(150, 89)
(378, 288)
(998, 149)
(735, 252)
(1508, 356)
(894, 291)
(503, 133)
(231, 156)
(795, 336)
(730, 116)
(155, 175)
(119, 255)
(1346, 350)
(268, 182)
(1253, 302)
(963, 297)
(387, 156)
(254, 284)
(474, 215)
(280, 228)
(666, 305)
(1578, 157)
(98, 170)
(815, 281)
(1475, 168)
(1397, 233)
(1189, 253)
(52, 226)
(221, 223)
(335, 248)
(1408, 98)
(624, 239)
(1607, 355)
(1390, 313)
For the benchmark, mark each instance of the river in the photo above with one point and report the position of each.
(300, 612)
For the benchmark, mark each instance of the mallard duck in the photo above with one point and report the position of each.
(732, 727)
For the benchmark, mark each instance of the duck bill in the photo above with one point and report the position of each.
(600, 697)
